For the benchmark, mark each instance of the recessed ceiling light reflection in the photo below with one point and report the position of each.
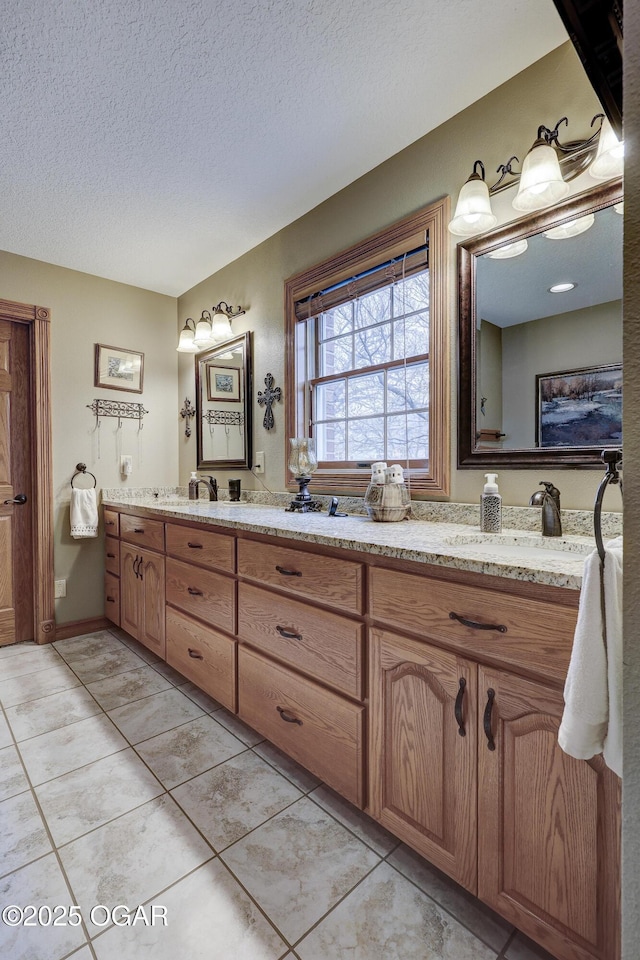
(561, 287)
(571, 229)
(510, 250)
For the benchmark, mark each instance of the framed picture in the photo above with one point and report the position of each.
(223, 383)
(580, 408)
(118, 369)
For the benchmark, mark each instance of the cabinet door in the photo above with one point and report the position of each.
(151, 586)
(423, 771)
(548, 825)
(130, 610)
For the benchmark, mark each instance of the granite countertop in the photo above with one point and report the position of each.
(516, 554)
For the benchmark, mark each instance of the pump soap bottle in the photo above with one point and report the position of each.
(491, 506)
(193, 486)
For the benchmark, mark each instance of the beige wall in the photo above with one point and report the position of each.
(502, 123)
(86, 310)
(582, 338)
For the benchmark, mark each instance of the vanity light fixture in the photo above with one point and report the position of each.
(571, 229)
(543, 181)
(209, 330)
(562, 287)
(509, 250)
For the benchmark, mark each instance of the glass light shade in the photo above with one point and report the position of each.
(619, 208)
(203, 337)
(220, 326)
(509, 250)
(302, 456)
(541, 183)
(473, 210)
(185, 343)
(571, 229)
(609, 161)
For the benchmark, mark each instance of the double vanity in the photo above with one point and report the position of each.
(417, 668)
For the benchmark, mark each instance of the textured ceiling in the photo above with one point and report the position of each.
(154, 141)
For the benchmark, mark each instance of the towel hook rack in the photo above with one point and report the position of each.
(81, 468)
(613, 460)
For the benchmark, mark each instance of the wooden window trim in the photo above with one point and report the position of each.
(389, 242)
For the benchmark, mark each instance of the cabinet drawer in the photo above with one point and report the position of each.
(143, 532)
(324, 645)
(111, 523)
(112, 555)
(201, 546)
(203, 655)
(112, 598)
(537, 637)
(338, 583)
(319, 729)
(207, 595)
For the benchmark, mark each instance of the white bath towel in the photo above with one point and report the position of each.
(84, 513)
(592, 718)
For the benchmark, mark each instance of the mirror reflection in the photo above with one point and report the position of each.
(223, 404)
(541, 336)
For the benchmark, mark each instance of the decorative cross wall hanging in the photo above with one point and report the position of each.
(266, 399)
(186, 413)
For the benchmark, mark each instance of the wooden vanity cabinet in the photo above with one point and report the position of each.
(142, 589)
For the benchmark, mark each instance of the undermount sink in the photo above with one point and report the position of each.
(522, 545)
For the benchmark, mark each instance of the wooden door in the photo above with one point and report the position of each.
(17, 620)
(130, 594)
(151, 630)
(423, 772)
(548, 825)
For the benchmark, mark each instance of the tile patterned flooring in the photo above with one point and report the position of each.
(122, 783)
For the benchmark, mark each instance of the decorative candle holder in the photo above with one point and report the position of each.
(302, 463)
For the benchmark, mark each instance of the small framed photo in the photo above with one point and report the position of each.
(580, 408)
(223, 383)
(118, 369)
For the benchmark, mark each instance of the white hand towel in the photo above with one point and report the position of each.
(592, 718)
(84, 513)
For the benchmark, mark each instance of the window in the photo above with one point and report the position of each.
(367, 357)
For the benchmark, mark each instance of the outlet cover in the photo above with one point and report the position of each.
(59, 589)
(259, 463)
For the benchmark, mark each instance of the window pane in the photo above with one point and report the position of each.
(408, 437)
(330, 400)
(374, 308)
(366, 439)
(411, 336)
(330, 441)
(336, 356)
(366, 395)
(373, 346)
(410, 390)
(336, 321)
(411, 294)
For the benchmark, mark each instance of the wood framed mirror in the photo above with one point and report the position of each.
(224, 404)
(539, 371)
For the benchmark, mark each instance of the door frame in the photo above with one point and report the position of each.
(38, 320)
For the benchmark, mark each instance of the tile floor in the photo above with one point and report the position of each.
(123, 784)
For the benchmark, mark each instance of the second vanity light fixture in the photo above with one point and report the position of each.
(209, 329)
(541, 182)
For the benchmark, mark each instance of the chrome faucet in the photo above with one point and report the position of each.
(549, 500)
(210, 484)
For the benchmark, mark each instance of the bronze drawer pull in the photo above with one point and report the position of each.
(288, 634)
(194, 546)
(110, 600)
(138, 529)
(194, 654)
(477, 626)
(111, 556)
(487, 719)
(288, 573)
(287, 719)
(458, 707)
(109, 523)
(194, 592)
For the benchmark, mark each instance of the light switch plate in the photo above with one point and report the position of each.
(259, 463)
(59, 589)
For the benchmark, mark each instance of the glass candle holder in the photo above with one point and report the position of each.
(302, 456)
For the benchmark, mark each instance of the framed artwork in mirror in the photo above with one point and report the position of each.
(541, 294)
(118, 369)
(223, 382)
(224, 405)
(580, 408)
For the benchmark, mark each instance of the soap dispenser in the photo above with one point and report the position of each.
(491, 506)
(193, 486)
